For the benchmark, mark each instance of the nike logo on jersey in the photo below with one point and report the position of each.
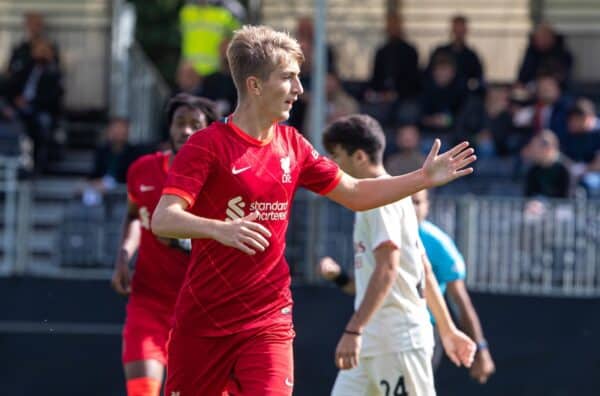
(289, 382)
(145, 188)
(240, 170)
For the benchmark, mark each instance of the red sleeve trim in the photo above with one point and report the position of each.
(334, 183)
(187, 197)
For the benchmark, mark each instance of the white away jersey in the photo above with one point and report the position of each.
(402, 322)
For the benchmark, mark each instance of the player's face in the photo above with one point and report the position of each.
(186, 121)
(281, 90)
(420, 201)
(345, 161)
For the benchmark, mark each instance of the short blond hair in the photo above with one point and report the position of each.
(257, 51)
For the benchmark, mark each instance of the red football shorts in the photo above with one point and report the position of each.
(146, 332)
(252, 363)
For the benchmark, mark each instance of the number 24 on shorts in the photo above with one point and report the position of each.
(399, 389)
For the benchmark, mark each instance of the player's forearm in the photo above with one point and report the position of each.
(436, 302)
(378, 288)
(130, 235)
(372, 193)
(170, 222)
(469, 320)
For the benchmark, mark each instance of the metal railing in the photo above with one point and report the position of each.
(138, 91)
(511, 246)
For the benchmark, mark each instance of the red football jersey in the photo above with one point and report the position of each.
(223, 173)
(159, 269)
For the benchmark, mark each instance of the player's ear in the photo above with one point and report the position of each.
(360, 156)
(253, 86)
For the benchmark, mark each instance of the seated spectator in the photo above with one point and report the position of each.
(187, 79)
(443, 97)
(111, 161)
(339, 102)
(488, 124)
(582, 145)
(396, 75)
(551, 107)
(35, 93)
(219, 86)
(468, 65)
(546, 51)
(548, 176)
(408, 157)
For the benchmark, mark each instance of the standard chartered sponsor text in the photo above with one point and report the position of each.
(270, 211)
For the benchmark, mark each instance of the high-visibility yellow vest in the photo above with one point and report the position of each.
(203, 28)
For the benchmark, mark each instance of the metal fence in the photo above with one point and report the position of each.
(511, 246)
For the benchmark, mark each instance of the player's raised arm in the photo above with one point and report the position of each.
(438, 169)
(170, 219)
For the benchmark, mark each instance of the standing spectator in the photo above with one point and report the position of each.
(443, 97)
(204, 25)
(548, 176)
(21, 57)
(468, 65)
(35, 92)
(546, 51)
(409, 156)
(396, 79)
(219, 85)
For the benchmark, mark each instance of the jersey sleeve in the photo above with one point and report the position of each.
(130, 181)
(447, 263)
(318, 173)
(190, 169)
(385, 226)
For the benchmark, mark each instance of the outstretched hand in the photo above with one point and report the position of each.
(443, 168)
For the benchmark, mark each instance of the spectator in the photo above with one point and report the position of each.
(548, 176)
(187, 79)
(305, 36)
(21, 57)
(35, 93)
(443, 97)
(396, 73)
(204, 25)
(339, 102)
(550, 110)
(488, 123)
(111, 161)
(219, 86)
(546, 51)
(582, 145)
(468, 65)
(409, 156)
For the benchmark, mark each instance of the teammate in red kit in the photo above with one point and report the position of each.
(230, 189)
(161, 262)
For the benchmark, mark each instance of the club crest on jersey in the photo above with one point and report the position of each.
(286, 168)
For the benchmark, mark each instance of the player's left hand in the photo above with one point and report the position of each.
(443, 168)
(348, 351)
(483, 366)
(459, 347)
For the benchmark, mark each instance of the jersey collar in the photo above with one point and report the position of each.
(245, 136)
